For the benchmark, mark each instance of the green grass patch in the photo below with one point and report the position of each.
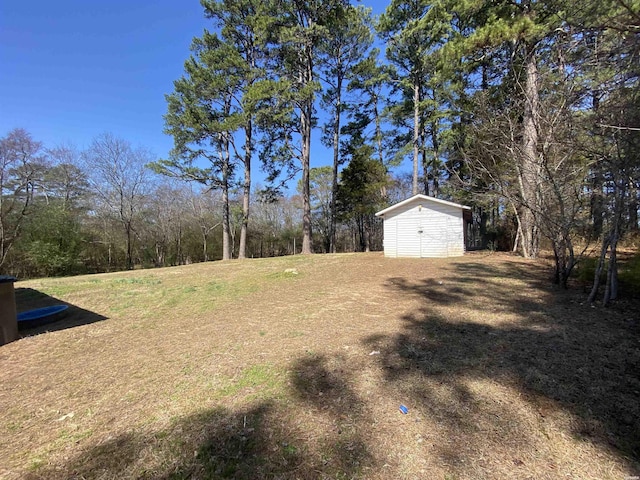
(13, 427)
(121, 307)
(259, 381)
(35, 463)
(285, 274)
(216, 286)
(137, 281)
(74, 436)
(59, 290)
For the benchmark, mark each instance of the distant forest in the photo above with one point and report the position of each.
(527, 111)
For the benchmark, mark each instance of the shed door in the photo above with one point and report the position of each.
(409, 236)
(433, 236)
(422, 235)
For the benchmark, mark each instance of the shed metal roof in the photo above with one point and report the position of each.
(426, 198)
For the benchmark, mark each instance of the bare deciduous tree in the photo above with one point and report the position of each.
(22, 166)
(120, 180)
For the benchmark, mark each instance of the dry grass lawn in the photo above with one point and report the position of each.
(295, 367)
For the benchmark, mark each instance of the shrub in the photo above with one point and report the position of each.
(629, 273)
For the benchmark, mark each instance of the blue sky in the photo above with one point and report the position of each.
(73, 69)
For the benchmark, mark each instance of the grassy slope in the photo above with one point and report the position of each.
(247, 370)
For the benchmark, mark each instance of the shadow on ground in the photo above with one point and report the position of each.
(560, 354)
(266, 439)
(29, 299)
(216, 443)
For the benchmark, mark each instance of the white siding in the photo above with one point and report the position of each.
(389, 241)
(424, 229)
(455, 235)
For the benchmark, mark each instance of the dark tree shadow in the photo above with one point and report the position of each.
(326, 389)
(213, 444)
(30, 299)
(262, 441)
(559, 353)
(472, 280)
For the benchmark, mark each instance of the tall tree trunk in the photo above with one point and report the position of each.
(110, 257)
(3, 240)
(246, 194)
(251, 54)
(597, 203)
(435, 162)
(425, 162)
(306, 190)
(597, 180)
(306, 114)
(360, 232)
(336, 163)
(416, 136)
(564, 259)
(179, 257)
(204, 246)
(633, 206)
(378, 123)
(226, 244)
(598, 273)
(128, 233)
(529, 166)
(611, 287)
(366, 231)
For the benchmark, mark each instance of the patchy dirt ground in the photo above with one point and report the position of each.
(295, 367)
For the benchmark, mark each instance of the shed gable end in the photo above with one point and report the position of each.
(421, 227)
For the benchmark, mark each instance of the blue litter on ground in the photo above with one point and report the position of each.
(404, 409)
(40, 316)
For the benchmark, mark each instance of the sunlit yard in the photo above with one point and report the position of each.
(295, 367)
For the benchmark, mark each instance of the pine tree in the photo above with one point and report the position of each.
(296, 36)
(369, 81)
(349, 39)
(238, 21)
(502, 43)
(203, 116)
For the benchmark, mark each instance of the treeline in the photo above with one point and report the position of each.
(527, 111)
(64, 211)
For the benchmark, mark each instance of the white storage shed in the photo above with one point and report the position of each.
(423, 226)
